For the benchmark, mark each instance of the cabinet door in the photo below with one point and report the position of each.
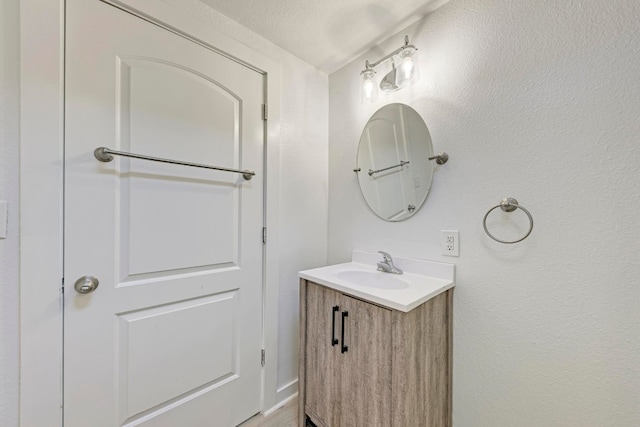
(365, 367)
(322, 351)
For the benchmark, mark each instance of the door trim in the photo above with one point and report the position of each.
(41, 195)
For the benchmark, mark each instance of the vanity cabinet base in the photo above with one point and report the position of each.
(387, 369)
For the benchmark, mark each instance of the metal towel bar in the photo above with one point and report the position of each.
(105, 154)
(440, 158)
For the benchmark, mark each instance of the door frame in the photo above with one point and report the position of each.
(42, 189)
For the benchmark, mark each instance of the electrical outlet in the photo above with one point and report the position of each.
(450, 242)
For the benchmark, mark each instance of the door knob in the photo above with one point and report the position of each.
(86, 284)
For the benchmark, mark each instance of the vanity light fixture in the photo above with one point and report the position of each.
(404, 70)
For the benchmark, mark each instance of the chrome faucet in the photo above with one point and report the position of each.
(386, 265)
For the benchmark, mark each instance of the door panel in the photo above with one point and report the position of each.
(368, 336)
(322, 394)
(172, 335)
(161, 342)
(387, 144)
(177, 114)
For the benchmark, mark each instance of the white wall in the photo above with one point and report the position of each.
(537, 100)
(9, 134)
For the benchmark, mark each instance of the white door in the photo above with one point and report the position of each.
(386, 147)
(172, 335)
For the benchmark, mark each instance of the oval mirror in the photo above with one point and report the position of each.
(393, 166)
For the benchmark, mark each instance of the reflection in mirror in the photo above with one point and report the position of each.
(393, 166)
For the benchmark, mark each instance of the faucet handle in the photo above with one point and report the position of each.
(387, 257)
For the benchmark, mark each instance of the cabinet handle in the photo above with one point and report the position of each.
(345, 348)
(334, 340)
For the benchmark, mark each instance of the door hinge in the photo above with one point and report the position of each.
(262, 352)
(264, 235)
(265, 112)
(62, 286)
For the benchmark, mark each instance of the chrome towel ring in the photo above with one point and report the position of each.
(508, 204)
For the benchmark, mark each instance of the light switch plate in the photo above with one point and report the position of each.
(3, 219)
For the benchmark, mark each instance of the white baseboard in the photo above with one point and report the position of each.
(286, 391)
(284, 395)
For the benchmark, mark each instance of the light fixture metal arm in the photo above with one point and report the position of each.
(406, 45)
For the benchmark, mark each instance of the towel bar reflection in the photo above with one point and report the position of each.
(105, 154)
(372, 172)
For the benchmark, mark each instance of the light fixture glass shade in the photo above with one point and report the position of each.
(407, 67)
(368, 87)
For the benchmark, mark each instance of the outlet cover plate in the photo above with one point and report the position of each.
(450, 242)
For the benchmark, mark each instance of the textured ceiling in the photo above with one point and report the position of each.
(325, 33)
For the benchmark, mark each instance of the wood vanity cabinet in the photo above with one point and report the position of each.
(362, 364)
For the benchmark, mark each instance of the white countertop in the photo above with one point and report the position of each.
(421, 280)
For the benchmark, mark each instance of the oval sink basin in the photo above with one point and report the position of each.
(372, 279)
